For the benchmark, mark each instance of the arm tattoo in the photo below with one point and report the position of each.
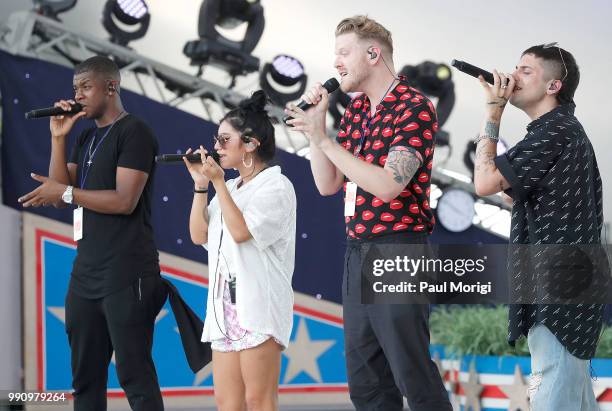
(485, 153)
(491, 129)
(500, 101)
(403, 163)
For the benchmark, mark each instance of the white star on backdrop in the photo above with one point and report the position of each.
(303, 353)
(201, 375)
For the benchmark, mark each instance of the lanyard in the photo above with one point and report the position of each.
(364, 134)
(92, 154)
(371, 116)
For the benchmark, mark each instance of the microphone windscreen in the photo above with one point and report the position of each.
(331, 85)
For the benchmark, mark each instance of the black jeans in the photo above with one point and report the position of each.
(387, 345)
(122, 322)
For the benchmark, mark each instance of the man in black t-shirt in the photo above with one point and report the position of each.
(553, 179)
(115, 289)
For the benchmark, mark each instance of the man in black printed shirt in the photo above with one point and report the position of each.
(382, 159)
(115, 289)
(556, 191)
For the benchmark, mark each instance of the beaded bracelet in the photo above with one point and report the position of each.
(484, 136)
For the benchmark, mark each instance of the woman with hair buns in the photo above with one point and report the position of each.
(248, 229)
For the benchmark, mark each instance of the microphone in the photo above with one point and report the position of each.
(191, 157)
(330, 85)
(474, 71)
(52, 111)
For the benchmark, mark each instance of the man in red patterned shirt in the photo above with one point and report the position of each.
(382, 157)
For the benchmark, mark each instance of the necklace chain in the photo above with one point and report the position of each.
(89, 152)
(251, 176)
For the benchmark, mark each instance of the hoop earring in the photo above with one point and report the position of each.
(244, 163)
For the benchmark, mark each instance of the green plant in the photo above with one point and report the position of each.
(478, 330)
(474, 330)
(604, 347)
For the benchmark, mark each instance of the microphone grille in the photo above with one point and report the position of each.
(331, 85)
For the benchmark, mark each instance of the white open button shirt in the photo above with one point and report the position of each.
(263, 265)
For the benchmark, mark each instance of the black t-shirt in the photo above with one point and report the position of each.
(115, 249)
(557, 199)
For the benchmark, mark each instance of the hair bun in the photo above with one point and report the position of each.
(256, 103)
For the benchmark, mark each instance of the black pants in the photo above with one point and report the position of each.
(387, 346)
(122, 322)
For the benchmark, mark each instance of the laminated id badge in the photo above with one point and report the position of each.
(77, 223)
(350, 199)
(220, 284)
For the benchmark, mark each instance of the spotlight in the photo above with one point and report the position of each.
(128, 13)
(435, 80)
(284, 71)
(51, 8)
(216, 49)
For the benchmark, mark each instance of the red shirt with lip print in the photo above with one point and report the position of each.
(405, 118)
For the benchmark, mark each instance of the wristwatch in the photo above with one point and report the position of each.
(67, 196)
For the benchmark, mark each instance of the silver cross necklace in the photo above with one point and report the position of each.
(90, 153)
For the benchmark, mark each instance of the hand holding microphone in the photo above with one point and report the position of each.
(196, 170)
(63, 116)
(312, 123)
(313, 97)
(205, 170)
(498, 94)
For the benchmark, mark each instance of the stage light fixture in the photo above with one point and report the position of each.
(51, 8)
(215, 49)
(121, 15)
(435, 80)
(283, 79)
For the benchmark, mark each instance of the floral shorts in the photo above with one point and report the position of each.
(239, 338)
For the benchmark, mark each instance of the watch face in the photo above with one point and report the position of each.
(456, 210)
(67, 196)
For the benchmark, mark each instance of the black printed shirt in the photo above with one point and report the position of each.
(557, 199)
(404, 118)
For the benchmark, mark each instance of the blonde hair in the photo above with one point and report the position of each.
(366, 29)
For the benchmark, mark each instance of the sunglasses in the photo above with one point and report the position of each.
(221, 139)
(555, 44)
